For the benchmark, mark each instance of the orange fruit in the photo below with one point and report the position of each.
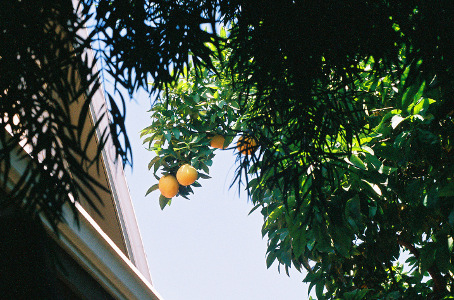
(168, 185)
(217, 141)
(246, 145)
(186, 175)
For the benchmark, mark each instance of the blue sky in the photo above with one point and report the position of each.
(207, 248)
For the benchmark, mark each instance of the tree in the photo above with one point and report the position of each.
(310, 82)
(344, 203)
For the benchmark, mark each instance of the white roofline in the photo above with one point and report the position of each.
(120, 190)
(117, 180)
(95, 252)
(98, 254)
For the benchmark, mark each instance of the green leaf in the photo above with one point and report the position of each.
(154, 187)
(353, 212)
(285, 258)
(356, 294)
(386, 170)
(274, 215)
(427, 257)
(204, 168)
(176, 133)
(299, 243)
(153, 161)
(401, 139)
(443, 258)
(372, 211)
(406, 98)
(342, 241)
(451, 218)
(157, 164)
(163, 201)
(372, 162)
(323, 241)
(374, 187)
(419, 93)
(223, 33)
(319, 289)
(356, 161)
(431, 198)
(204, 176)
(412, 94)
(168, 136)
(270, 259)
(421, 106)
(396, 120)
(254, 208)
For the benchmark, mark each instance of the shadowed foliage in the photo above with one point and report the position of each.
(351, 106)
(350, 103)
(45, 73)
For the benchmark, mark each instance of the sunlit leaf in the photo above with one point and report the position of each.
(152, 188)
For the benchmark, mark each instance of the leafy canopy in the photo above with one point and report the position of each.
(344, 185)
(350, 104)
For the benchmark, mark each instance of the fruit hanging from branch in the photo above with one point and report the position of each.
(168, 186)
(217, 141)
(186, 175)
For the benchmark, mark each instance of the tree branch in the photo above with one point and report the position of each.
(439, 281)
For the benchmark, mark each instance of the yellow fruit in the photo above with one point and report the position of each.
(217, 141)
(186, 175)
(246, 145)
(168, 185)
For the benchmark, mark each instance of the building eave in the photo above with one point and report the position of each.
(98, 254)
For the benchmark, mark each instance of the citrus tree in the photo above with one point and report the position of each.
(344, 203)
(198, 115)
(345, 108)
